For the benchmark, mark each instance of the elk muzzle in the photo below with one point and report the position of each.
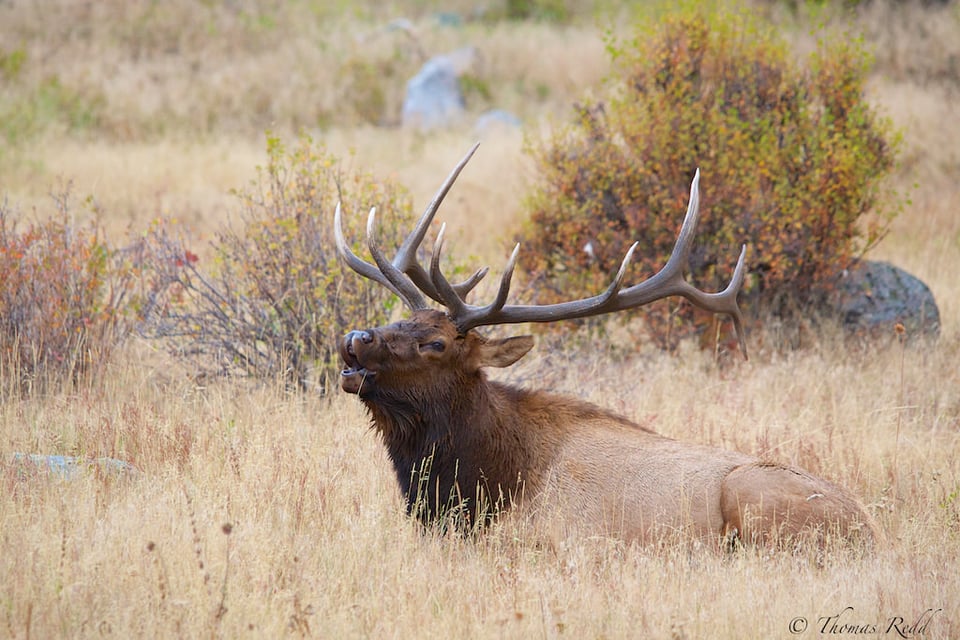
(355, 374)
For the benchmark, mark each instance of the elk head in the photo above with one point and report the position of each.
(415, 354)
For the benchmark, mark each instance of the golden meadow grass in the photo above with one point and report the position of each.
(319, 542)
(318, 545)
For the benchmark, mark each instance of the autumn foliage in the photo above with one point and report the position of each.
(274, 298)
(67, 299)
(792, 159)
(269, 297)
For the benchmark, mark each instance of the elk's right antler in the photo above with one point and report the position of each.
(407, 278)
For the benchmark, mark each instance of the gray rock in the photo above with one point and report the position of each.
(496, 120)
(873, 297)
(70, 467)
(433, 97)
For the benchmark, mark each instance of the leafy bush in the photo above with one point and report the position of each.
(67, 300)
(276, 298)
(792, 159)
(29, 106)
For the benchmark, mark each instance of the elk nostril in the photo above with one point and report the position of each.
(352, 338)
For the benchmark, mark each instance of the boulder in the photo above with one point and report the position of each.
(494, 121)
(872, 297)
(433, 98)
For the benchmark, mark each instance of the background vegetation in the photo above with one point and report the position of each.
(257, 512)
(67, 302)
(792, 156)
(276, 296)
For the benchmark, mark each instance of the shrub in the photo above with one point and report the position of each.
(276, 299)
(67, 299)
(792, 157)
(29, 106)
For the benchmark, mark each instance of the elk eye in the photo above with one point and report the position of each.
(436, 345)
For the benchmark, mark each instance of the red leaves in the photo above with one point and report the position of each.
(188, 257)
(64, 296)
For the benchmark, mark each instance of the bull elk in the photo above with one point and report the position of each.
(463, 444)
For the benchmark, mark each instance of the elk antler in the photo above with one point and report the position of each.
(391, 273)
(407, 278)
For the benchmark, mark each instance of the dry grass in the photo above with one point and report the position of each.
(317, 543)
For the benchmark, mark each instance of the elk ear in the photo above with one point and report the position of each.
(502, 353)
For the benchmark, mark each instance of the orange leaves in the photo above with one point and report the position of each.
(790, 153)
(188, 258)
(64, 297)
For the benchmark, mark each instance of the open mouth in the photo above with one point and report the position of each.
(357, 380)
(354, 374)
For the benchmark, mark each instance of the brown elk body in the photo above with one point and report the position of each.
(465, 445)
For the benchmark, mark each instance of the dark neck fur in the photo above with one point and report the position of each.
(451, 448)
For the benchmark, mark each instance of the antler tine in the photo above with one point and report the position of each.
(449, 297)
(505, 279)
(406, 258)
(669, 281)
(614, 287)
(465, 287)
(408, 292)
(689, 227)
(728, 298)
(365, 269)
(404, 276)
(463, 313)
